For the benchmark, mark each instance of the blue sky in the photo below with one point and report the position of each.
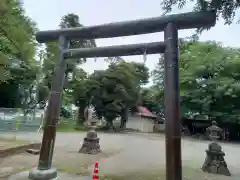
(47, 15)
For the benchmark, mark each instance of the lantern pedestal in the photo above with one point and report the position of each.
(214, 161)
(91, 143)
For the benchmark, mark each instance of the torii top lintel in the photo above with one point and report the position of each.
(134, 27)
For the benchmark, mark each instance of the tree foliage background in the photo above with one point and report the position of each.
(209, 71)
(226, 9)
(209, 80)
(112, 91)
(18, 67)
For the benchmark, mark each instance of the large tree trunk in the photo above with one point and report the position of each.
(110, 126)
(124, 118)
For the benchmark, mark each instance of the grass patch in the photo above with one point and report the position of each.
(80, 170)
(80, 164)
(135, 176)
(151, 175)
(66, 126)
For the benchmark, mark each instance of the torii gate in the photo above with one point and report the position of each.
(170, 25)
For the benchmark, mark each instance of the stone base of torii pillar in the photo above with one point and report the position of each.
(214, 161)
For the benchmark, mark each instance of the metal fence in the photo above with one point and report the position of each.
(13, 119)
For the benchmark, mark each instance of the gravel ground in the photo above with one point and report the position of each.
(133, 156)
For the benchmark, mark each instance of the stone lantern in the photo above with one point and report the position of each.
(214, 161)
(91, 141)
(214, 131)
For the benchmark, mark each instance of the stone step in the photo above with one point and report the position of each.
(33, 151)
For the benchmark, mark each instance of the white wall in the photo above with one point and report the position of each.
(141, 124)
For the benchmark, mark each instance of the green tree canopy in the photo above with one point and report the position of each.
(51, 57)
(209, 80)
(18, 66)
(112, 91)
(227, 9)
(152, 98)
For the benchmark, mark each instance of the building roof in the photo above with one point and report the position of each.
(143, 111)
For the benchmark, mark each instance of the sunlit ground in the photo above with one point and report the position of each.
(126, 156)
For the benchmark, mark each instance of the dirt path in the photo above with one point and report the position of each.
(10, 143)
(129, 155)
(66, 157)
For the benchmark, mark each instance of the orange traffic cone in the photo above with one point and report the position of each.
(96, 171)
